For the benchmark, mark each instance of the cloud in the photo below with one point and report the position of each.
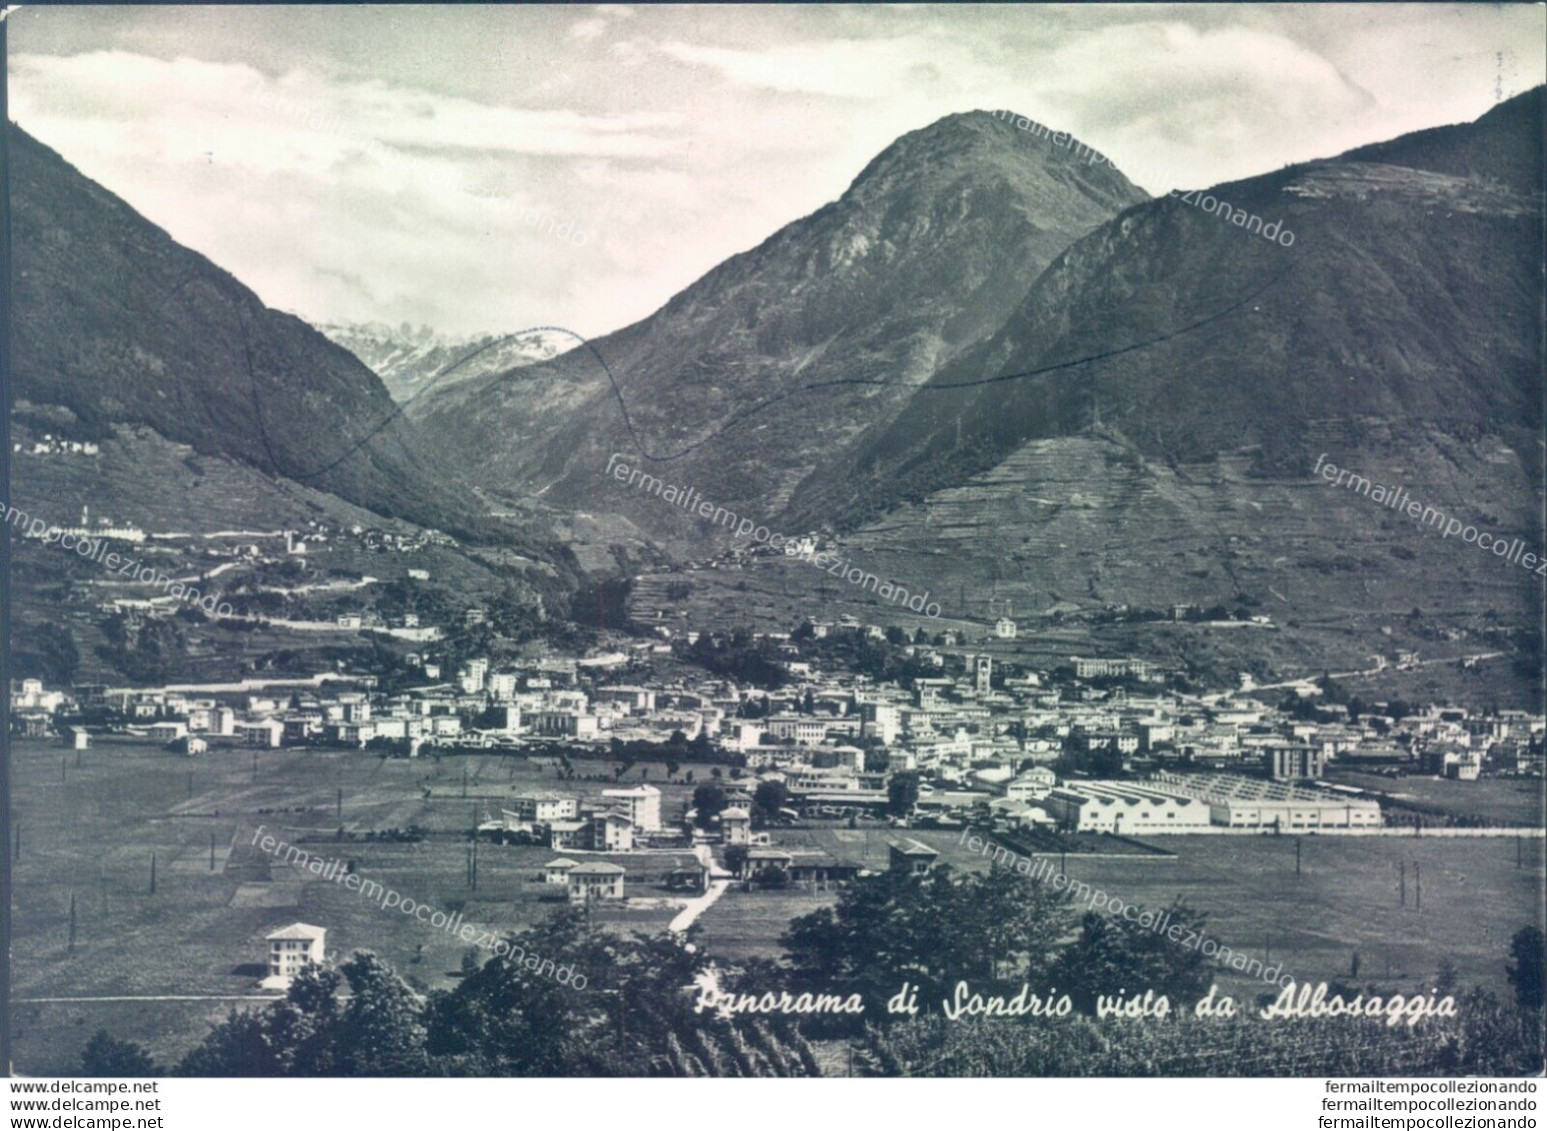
(350, 169)
(169, 96)
(349, 199)
(598, 24)
(842, 68)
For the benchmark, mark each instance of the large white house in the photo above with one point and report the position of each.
(1123, 807)
(543, 806)
(642, 804)
(595, 881)
(291, 950)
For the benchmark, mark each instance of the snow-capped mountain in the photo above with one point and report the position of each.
(408, 359)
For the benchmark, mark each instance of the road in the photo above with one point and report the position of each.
(696, 907)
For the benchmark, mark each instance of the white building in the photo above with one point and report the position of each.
(262, 732)
(1252, 803)
(595, 881)
(736, 826)
(612, 831)
(543, 807)
(883, 720)
(642, 804)
(802, 728)
(1124, 808)
(557, 871)
(292, 949)
(1035, 784)
(472, 676)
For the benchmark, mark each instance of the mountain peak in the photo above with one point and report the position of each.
(983, 145)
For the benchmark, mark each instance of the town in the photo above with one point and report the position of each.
(1096, 746)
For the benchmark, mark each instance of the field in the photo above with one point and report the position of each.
(90, 831)
(1514, 801)
(1345, 900)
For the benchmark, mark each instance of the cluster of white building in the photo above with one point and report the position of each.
(836, 739)
(1182, 803)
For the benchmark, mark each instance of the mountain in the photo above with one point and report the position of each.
(120, 325)
(1410, 293)
(1142, 433)
(748, 382)
(408, 360)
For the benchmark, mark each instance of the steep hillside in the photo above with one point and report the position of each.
(1194, 373)
(747, 382)
(119, 324)
(410, 360)
(1504, 145)
(1406, 294)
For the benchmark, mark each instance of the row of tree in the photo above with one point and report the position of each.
(509, 1016)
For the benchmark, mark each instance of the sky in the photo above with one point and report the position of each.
(484, 169)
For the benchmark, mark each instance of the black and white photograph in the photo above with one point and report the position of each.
(559, 541)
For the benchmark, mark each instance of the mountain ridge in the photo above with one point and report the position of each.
(118, 324)
(835, 318)
(410, 361)
(1165, 265)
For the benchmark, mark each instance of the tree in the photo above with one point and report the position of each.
(512, 1018)
(933, 930)
(108, 1056)
(1447, 978)
(902, 793)
(1525, 971)
(1113, 953)
(767, 800)
(709, 801)
(735, 858)
(58, 656)
(294, 1036)
(381, 1030)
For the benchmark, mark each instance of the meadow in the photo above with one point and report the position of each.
(88, 831)
(1346, 899)
(89, 824)
(1512, 801)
